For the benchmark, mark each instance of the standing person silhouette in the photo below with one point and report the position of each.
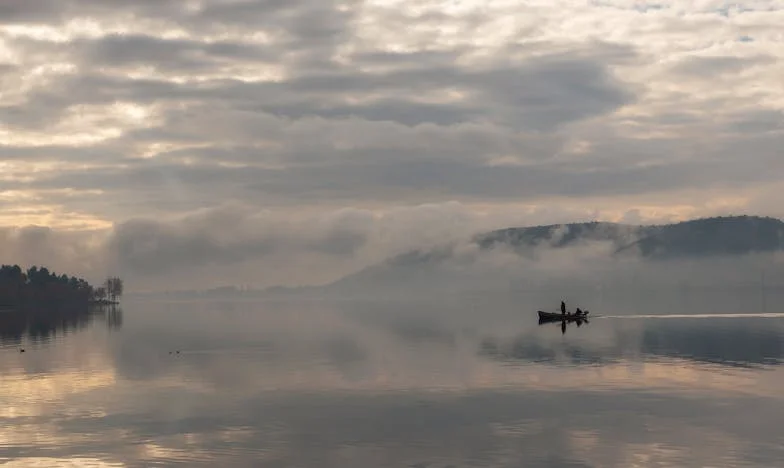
(563, 308)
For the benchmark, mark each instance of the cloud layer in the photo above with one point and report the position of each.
(136, 119)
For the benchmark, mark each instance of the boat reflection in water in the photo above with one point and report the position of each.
(563, 319)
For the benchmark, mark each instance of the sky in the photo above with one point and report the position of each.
(202, 142)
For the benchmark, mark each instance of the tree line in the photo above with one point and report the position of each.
(111, 289)
(39, 286)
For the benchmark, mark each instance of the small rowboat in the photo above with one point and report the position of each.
(556, 317)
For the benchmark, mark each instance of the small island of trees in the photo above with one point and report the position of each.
(38, 303)
(111, 290)
(38, 287)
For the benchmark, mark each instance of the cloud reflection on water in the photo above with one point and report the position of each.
(306, 384)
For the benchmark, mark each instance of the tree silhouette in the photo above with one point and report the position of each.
(114, 287)
(38, 287)
(99, 294)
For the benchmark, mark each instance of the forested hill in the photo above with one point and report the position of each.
(719, 236)
(716, 238)
(40, 287)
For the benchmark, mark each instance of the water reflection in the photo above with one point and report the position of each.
(727, 341)
(734, 342)
(359, 384)
(42, 324)
(564, 322)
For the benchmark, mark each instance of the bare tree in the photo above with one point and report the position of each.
(118, 286)
(114, 287)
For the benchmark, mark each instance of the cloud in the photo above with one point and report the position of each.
(73, 253)
(230, 236)
(710, 67)
(239, 244)
(179, 56)
(152, 110)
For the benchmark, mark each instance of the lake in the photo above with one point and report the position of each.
(468, 381)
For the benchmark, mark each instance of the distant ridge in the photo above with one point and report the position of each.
(717, 236)
(700, 238)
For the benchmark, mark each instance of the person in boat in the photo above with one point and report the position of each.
(581, 313)
(563, 308)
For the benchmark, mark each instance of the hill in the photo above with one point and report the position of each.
(719, 236)
(553, 253)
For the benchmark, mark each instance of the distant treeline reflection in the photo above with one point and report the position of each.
(44, 323)
(731, 342)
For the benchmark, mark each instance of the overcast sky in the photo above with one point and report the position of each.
(271, 140)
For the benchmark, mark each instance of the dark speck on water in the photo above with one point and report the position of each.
(416, 384)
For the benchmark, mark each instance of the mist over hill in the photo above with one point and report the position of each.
(736, 255)
(728, 252)
(736, 235)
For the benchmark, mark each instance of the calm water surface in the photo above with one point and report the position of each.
(463, 382)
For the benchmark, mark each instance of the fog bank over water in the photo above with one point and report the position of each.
(239, 244)
(420, 249)
(588, 268)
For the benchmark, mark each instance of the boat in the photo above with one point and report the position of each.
(557, 317)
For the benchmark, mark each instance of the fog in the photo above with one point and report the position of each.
(241, 244)
(423, 249)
